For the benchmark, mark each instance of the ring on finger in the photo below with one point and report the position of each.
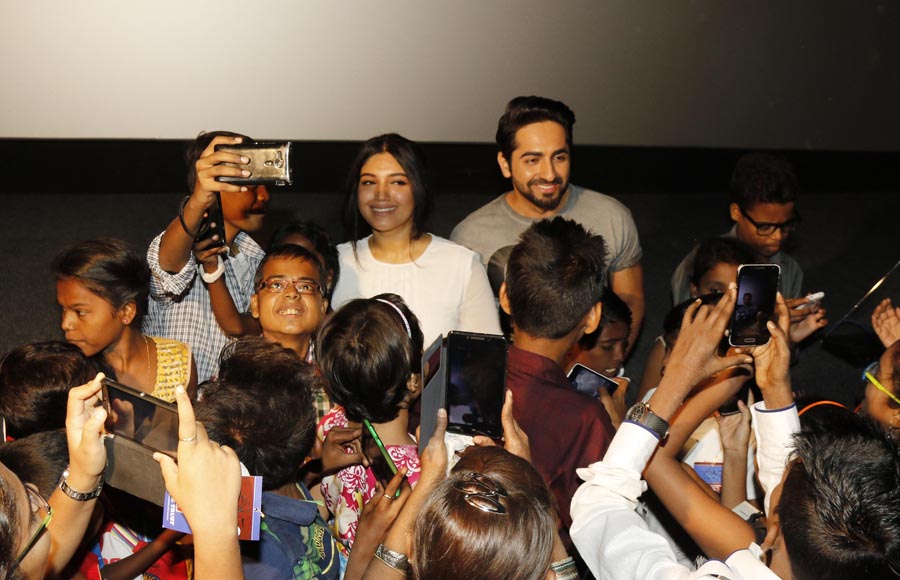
(190, 439)
(390, 497)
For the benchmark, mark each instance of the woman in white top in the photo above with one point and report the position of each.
(443, 283)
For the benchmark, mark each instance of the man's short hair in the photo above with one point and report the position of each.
(523, 111)
(320, 241)
(840, 502)
(763, 178)
(34, 385)
(555, 274)
(261, 406)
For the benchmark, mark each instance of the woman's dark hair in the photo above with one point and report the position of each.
(454, 539)
(198, 146)
(412, 160)
(34, 385)
(367, 356)
(110, 268)
(320, 242)
(716, 251)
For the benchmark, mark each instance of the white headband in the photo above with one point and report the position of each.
(400, 312)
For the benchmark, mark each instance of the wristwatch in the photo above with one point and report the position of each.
(641, 413)
(79, 495)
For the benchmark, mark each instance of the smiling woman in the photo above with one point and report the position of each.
(442, 282)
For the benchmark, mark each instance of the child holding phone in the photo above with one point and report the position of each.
(102, 287)
(370, 353)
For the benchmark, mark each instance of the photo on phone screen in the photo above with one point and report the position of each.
(377, 455)
(757, 285)
(140, 417)
(586, 380)
(476, 383)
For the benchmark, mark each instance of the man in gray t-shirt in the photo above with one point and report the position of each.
(535, 140)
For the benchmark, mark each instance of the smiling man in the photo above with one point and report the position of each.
(534, 137)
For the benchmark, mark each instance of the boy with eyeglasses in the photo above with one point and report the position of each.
(763, 209)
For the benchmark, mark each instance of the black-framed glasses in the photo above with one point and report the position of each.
(301, 285)
(483, 493)
(767, 229)
(38, 505)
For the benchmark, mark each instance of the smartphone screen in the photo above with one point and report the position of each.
(140, 417)
(586, 380)
(476, 383)
(757, 285)
(379, 459)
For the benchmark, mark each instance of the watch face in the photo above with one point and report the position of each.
(636, 412)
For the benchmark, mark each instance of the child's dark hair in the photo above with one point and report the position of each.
(110, 268)
(34, 385)
(614, 310)
(554, 275)
(763, 178)
(672, 321)
(261, 406)
(320, 241)
(291, 252)
(196, 148)
(39, 458)
(718, 250)
(411, 158)
(367, 352)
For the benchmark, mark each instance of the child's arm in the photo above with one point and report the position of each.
(178, 239)
(734, 431)
(137, 563)
(232, 322)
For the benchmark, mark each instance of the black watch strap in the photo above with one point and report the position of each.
(641, 413)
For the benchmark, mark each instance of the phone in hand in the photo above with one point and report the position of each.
(757, 286)
(586, 380)
(476, 383)
(213, 224)
(377, 455)
(270, 163)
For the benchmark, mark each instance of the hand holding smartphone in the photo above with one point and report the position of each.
(377, 455)
(586, 380)
(757, 286)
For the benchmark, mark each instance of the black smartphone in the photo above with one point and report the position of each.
(213, 224)
(586, 380)
(376, 453)
(730, 407)
(476, 383)
(270, 163)
(757, 285)
(140, 417)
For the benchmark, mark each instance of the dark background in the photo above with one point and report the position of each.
(58, 192)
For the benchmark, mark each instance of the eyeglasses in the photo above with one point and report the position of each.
(767, 229)
(869, 375)
(38, 504)
(301, 285)
(483, 493)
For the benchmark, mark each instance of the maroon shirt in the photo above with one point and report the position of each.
(566, 429)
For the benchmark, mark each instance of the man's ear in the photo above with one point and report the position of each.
(254, 305)
(324, 306)
(127, 313)
(895, 420)
(694, 290)
(735, 211)
(504, 299)
(504, 165)
(592, 319)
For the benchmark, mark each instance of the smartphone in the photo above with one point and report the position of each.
(213, 224)
(586, 380)
(434, 390)
(476, 383)
(380, 461)
(757, 285)
(137, 425)
(270, 163)
(730, 407)
(140, 417)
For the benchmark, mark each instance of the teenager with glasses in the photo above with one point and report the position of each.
(881, 401)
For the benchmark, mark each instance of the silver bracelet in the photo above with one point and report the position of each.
(79, 495)
(564, 569)
(395, 560)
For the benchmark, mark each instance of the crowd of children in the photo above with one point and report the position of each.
(280, 360)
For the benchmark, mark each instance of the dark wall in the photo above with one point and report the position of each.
(848, 238)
